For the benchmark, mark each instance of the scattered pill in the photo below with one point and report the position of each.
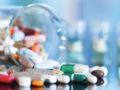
(104, 69)
(91, 78)
(71, 68)
(98, 73)
(24, 81)
(18, 36)
(26, 62)
(94, 68)
(31, 55)
(78, 77)
(37, 83)
(6, 79)
(63, 79)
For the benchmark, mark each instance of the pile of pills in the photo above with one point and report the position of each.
(28, 45)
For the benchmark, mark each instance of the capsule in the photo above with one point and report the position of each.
(74, 68)
(78, 77)
(26, 62)
(6, 79)
(91, 78)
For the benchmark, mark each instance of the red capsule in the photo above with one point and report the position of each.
(6, 79)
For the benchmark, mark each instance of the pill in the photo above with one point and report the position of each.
(36, 48)
(6, 79)
(19, 44)
(74, 68)
(91, 78)
(26, 62)
(29, 44)
(63, 79)
(104, 69)
(36, 58)
(100, 81)
(18, 36)
(78, 77)
(37, 83)
(94, 68)
(15, 56)
(28, 31)
(36, 38)
(98, 73)
(24, 81)
(12, 30)
(49, 79)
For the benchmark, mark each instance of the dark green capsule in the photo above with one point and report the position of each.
(78, 77)
(67, 68)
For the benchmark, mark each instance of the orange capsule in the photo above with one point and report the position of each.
(15, 56)
(35, 48)
(12, 31)
(37, 83)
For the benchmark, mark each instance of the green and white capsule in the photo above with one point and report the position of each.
(74, 68)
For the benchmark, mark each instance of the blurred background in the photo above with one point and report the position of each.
(94, 34)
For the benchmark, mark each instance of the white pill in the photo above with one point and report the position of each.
(26, 62)
(104, 69)
(94, 68)
(81, 68)
(36, 58)
(49, 78)
(18, 36)
(63, 79)
(24, 81)
(91, 79)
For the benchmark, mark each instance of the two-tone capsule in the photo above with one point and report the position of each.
(74, 68)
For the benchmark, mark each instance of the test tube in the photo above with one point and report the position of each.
(75, 44)
(100, 35)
